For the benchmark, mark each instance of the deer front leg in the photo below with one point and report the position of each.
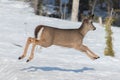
(88, 52)
(26, 48)
(93, 54)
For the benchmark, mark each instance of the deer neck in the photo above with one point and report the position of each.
(83, 30)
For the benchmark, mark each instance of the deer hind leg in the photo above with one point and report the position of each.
(34, 43)
(26, 48)
(88, 52)
(32, 53)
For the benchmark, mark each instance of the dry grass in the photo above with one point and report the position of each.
(109, 46)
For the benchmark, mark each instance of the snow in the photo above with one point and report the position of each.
(17, 22)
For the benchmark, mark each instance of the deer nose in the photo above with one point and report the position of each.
(94, 28)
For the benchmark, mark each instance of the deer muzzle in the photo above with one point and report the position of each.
(94, 28)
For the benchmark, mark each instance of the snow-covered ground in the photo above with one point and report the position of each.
(17, 22)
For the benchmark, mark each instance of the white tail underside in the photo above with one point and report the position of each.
(40, 33)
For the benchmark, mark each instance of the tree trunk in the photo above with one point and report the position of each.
(109, 7)
(61, 8)
(57, 2)
(35, 3)
(69, 6)
(93, 7)
(75, 8)
(37, 6)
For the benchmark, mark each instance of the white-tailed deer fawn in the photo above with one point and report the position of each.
(71, 38)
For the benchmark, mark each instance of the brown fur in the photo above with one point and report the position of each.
(72, 38)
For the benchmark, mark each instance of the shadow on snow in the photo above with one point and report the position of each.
(34, 68)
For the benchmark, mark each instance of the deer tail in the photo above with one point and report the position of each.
(38, 31)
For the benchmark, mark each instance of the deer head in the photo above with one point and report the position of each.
(88, 23)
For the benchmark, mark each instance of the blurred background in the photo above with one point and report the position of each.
(63, 9)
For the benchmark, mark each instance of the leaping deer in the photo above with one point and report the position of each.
(71, 38)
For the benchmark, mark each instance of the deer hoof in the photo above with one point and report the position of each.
(28, 60)
(19, 58)
(96, 57)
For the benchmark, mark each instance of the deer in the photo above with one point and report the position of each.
(45, 36)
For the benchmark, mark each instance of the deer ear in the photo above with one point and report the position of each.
(91, 16)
